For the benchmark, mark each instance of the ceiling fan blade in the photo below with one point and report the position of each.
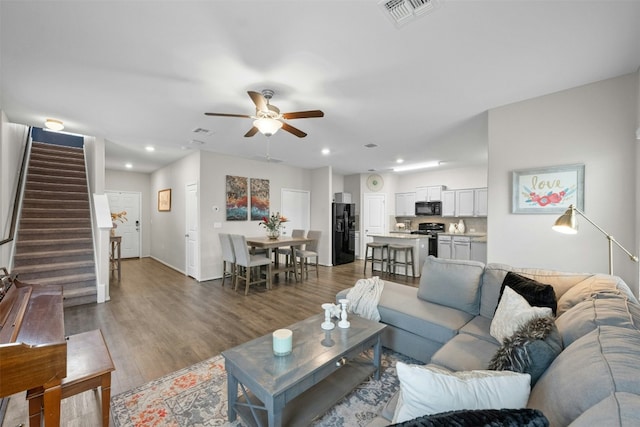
(303, 114)
(297, 132)
(259, 100)
(251, 132)
(227, 115)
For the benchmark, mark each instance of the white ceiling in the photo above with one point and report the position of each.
(143, 73)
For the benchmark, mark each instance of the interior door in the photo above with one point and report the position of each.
(125, 208)
(192, 231)
(296, 207)
(373, 216)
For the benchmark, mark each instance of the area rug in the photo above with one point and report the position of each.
(197, 396)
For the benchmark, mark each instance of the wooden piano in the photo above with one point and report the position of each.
(33, 350)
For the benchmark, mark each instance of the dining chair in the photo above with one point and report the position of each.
(249, 262)
(288, 260)
(228, 258)
(310, 251)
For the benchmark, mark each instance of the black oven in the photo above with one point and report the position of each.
(428, 208)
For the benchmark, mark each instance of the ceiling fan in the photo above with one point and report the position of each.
(268, 118)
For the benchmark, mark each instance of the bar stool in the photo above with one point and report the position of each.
(373, 246)
(407, 259)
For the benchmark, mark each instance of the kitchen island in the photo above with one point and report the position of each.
(420, 243)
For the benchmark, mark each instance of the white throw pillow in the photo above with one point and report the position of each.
(513, 311)
(429, 389)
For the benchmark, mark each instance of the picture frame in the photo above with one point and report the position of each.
(164, 200)
(549, 190)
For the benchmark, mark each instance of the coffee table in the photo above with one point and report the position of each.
(292, 390)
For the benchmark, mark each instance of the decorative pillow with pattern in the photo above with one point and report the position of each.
(523, 417)
(512, 313)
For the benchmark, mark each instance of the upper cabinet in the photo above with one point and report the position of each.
(466, 203)
(431, 193)
(405, 204)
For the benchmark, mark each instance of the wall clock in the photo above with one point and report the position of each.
(375, 182)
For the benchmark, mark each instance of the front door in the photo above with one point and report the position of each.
(125, 213)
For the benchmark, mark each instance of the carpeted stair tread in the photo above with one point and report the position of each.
(46, 242)
(45, 254)
(37, 177)
(55, 213)
(52, 233)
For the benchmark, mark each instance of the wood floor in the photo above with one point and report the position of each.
(159, 321)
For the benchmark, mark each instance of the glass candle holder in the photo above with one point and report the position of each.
(282, 342)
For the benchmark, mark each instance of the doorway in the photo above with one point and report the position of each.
(373, 217)
(192, 236)
(125, 209)
(296, 207)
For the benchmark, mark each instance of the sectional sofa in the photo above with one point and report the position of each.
(587, 362)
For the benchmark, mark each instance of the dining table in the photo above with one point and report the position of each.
(264, 242)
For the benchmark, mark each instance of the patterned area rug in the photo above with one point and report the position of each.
(197, 396)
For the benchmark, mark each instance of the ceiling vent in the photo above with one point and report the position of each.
(202, 131)
(402, 12)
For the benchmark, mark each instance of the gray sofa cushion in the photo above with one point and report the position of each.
(616, 410)
(598, 284)
(465, 352)
(479, 327)
(400, 307)
(494, 276)
(452, 283)
(599, 310)
(603, 362)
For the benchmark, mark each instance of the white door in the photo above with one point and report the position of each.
(192, 231)
(296, 207)
(374, 216)
(125, 212)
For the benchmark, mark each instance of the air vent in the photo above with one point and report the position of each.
(403, 11)
(202, 131)
(370, 145)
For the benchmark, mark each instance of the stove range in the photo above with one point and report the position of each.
(430, 229)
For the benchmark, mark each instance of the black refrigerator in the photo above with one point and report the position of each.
(343, 240)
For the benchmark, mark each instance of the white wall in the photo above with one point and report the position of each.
(321, 213)
(116, 180)
(453, 179)
(168, 228)
(594, 125)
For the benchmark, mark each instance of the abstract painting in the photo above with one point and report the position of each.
(237, 198)
(259, 198)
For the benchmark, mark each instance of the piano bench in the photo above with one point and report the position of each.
(89, 366)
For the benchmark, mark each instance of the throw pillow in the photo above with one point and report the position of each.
(530, 350)
(537, 294)
(512, 313)
(430, 389)
(524, 417)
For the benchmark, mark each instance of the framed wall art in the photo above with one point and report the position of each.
(259, 198)
(164, 200)
(237, 198)
(548, 190)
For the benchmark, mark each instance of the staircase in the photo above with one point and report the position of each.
(54, 245)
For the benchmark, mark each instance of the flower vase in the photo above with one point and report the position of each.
(273, 234)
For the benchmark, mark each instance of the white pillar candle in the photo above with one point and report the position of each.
(282, 342)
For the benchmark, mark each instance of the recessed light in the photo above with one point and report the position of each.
(400, 161)
(149, 148)
(416, 166)
(326, 151)
(53, 124)
(128, 166)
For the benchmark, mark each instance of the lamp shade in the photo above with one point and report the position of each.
(566, 223)
(267, 126)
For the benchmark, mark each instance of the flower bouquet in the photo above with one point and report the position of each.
(273, 224)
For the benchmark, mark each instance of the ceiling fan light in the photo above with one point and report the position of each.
(267, 126)
(53, 124)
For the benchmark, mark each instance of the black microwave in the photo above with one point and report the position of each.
(428, 208)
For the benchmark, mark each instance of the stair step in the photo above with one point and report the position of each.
(54, 213)
(54, 203)
(56, 178)
(52, 233)
(54, 194)
(44, 170)
(43, 245)
(52, 257)
(43, 162)
(53, 148)
(31, 223)
(54, 186)
(56, 267)
(68, 282)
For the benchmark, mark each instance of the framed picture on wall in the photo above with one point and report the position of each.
(548, 190)
(164, 200)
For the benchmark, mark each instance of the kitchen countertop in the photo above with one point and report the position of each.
(400, 235)
(475, 237)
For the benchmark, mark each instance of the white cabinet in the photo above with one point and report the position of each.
(466, 203)
(405, 204)
(431, 193)
(480, 202)
(357, 244)
(449, 203)
(479, 251)
(444, 246)
(461, 248)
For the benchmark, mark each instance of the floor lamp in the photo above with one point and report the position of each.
(567, 224)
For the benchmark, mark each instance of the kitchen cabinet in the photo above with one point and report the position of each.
(444, 246)
(449, 203)
(431, 193)
(461, 248)
(405, 204)
(479, 251)
(471, 202)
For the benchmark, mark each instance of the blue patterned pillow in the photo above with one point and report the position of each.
(481, 418)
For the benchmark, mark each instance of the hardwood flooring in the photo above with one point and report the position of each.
(159, 321)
